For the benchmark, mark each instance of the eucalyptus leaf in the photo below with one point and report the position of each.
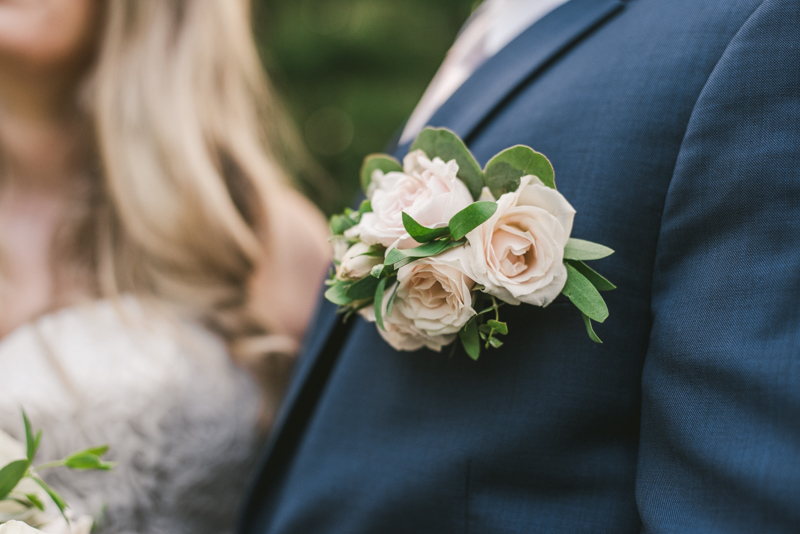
(377, 162)
(377, 271)
(594, 277)
(470, 339)
(443, 143)
(580, 250)
(378, 303)
(337, 293)
(364, 289)
(10, 476)
(503, 172)
(421, 234)
(470, 218)
(495, 343)
(497, 326)
(584, 295)
(423, 251)
(590, 329)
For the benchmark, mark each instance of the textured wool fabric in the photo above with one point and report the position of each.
(674, 129)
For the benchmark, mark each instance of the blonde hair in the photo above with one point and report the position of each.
(179, 103)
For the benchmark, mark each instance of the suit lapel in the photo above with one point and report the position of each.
(519, 62)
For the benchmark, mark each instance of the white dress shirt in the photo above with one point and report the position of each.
(493, 25)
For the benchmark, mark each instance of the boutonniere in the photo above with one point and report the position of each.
(441, 244)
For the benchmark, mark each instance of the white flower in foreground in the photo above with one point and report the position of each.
(356, 264)
(518, 254)
(15, 527)
(427, 190)
(433, 302)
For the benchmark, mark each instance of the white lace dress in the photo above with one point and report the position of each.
(180, 418)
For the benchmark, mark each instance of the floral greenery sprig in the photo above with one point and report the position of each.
(15, 472)
(439, 241)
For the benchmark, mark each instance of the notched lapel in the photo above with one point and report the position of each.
(520, 61)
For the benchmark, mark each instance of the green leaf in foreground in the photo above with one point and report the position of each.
(584, 295)
(86, 460)
(589, 329)
(31, 441)
(470, 339)
(423, 251)
(35, 500)
(580, 250)
(10, 476)
(378, 303)
(470, 218)
(56, 498)
(420, 233)
(594, 277)
(443, 143)
(377, 162)
(503, 172)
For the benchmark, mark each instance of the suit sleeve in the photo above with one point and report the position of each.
(720, 437)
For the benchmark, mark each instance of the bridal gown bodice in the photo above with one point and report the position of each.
(180, 418)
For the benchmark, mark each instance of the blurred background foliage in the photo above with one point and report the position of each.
(350, 72)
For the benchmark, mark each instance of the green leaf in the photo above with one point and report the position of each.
(56, 498)
(443, 143)
(495, 343)
(594, 277)
(83, 460)
(589, 329)
(35, 500)
(580, 250)
(379, 303)
(421, 234)
(337, 293)
(375, 251)
(31, 442)
(423, 251)
(377, 162)
(584, 295)
(366, 207)
(98, 451)
(471, 339)
(503, 172)
(470, 218)
(10, 476)
(377, 271)
(363, 289)
(497, 326)
(390, 305)
(341, 223)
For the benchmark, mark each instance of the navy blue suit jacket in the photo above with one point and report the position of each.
(674, 129)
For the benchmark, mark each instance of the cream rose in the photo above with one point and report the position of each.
(433, 302)
(427, 190)
(518, 254)
(356, 264)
